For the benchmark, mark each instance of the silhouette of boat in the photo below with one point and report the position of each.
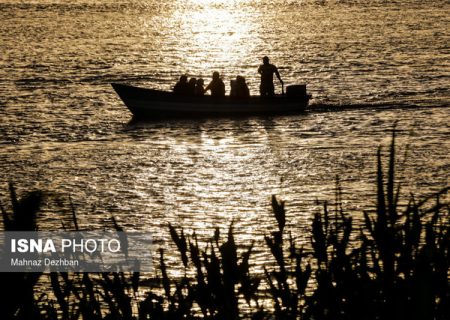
(150, 103)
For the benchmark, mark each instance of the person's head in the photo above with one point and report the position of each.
(240, 79)
(200, 82)
(216, 75)
(266, 60)
(192, 81)
(183, 78)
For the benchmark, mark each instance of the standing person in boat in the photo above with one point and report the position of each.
(266, 70)
(216, 86)
(181, 87)
(199, 88)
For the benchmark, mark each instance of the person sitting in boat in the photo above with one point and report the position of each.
(239, 88)
(216, 86)
(199, 88)
(181, 87)
(266, 70)
(191, 86)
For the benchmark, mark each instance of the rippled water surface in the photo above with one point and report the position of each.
(64, 130)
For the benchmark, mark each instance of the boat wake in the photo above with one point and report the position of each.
(326, 107)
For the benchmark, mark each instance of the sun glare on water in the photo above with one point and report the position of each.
(217, 2)
(215, 34)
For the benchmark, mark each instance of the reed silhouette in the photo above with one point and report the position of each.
(17, 298)
(394, 266)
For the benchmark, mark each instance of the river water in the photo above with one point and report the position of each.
(65, 131)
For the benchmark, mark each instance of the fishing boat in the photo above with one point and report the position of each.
(149, 103)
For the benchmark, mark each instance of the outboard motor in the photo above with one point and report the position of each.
(297, 91)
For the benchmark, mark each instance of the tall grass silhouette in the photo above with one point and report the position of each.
(393, 266)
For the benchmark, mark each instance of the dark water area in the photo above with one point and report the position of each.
(65, 131)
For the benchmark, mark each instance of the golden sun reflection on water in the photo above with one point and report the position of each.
(219, 183)
(218, 2)
(215, 35)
